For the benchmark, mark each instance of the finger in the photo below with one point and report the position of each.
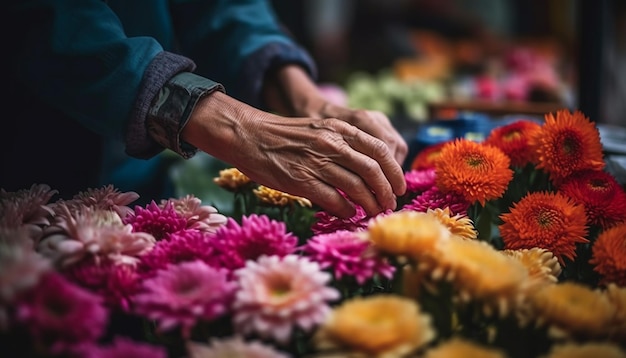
(396, 142)
(329, 199)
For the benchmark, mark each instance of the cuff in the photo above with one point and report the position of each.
(172, 107)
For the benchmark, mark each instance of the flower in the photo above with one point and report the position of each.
(278, 293)
(572, 309)
(106, 197)
(514, 140)
(20, 268)
(609, 255)
(617, 297)
(434, 198)
(459, 225)
(122, 347)
(376, 326)
(326, 223)
(232, 179)
(567, 143)
(200, 217)
(418, 181)
(476, 171)
(60, 315)
(543, 267)
(585, 350)
(546, 220)
(427, 157)
(233, 347)
(407, 233)
(182, 246)
(257, 235)
(347, 254)
(278, 198)
(156, 220)
(27, 208)
(92, 232)
(603, 197)
(184, 294)
(460, 347)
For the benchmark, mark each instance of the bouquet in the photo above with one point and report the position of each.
(511, 247)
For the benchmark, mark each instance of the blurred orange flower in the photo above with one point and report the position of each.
(609, 255)
(426, 158)
(514, 140)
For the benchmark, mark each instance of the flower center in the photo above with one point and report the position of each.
(474, 160)
(598, 185)
(280, 288)
(570, 145)
(545, 218)
(511, 136)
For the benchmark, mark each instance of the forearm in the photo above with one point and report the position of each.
(289, 90)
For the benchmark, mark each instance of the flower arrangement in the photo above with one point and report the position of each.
(511, 247)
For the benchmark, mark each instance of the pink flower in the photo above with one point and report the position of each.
(327, 223)
(347, 254)
(123, 347)
(433, 198)
(105, 198)
(27, 208)
(257, 235)
(278, 293)
(92, 233)
(113, 282)
(232, 347)
(418, 181)
(182, 246)
(60, 315)
(156, 220)
(200, 217)
(183, 294)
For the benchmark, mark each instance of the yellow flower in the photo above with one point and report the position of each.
(571, 309)
(543, 267)
(407, 233)
(232, 179)
(278, 198)
(458, 347)
(376, 326)
(459, 225)
(617, 297)
(586, 350)
(476, 171)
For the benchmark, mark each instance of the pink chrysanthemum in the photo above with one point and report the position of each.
(184, 294)
(327, 223)
(113, 282)
(233, 347)
(434, 198)
(256, 236)
(347, 254)
(277, 294)
(183, 246)
(20, 268)
(92, 233)
(27, 208)
(106, 197)
(60, 315)
(156, 220)
(123, 347)
(200, 217)
(418, 181)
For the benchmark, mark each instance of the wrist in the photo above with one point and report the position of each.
(290, 91)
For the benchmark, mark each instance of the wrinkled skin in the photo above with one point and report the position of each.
(306, 156)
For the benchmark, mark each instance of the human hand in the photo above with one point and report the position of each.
(308, 157)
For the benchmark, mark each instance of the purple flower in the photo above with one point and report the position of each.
(156, 220)
(433, 198)
(418, 181)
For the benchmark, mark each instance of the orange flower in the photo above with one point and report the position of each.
(275, 197)
(513, 139)
(603, 197)
(549, 221)
(232, 179)
(476, 171)
(426, 158)
(609, 255)
(566, 144)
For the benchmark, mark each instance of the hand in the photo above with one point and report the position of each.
(307, 157)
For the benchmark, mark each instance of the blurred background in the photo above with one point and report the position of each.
(442, 69)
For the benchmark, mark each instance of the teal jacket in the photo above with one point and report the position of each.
(101, 64)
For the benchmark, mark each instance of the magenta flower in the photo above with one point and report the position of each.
(182, 246)
(347, 254)
(256, 236)
(155, 220)
(105, 198)
(204, 218)
(418, 181)
(184, 294)
(433, 198)
(122, 347)
(233, 347)
(60, 315)
(115, 283)
(327, 223)
(27, 208)
(279, 293)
